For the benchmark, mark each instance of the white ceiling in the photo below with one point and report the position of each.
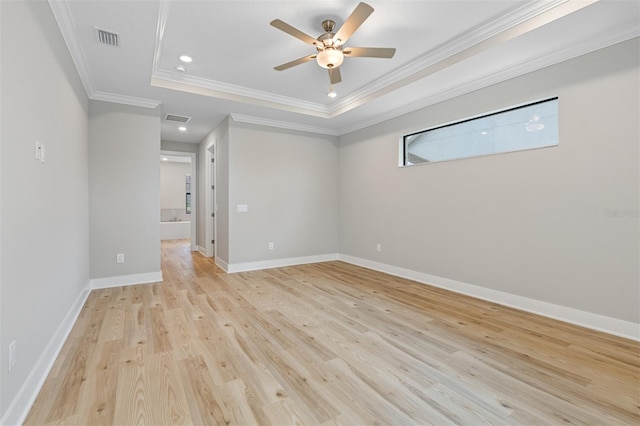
(444, 48)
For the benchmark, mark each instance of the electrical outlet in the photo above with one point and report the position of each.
(378, 247)
(120, 258)
(12, 355)
(270, 246)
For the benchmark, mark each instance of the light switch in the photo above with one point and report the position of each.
(40, 151)
(243, 208)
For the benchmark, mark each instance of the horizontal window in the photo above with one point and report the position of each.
(530, 126)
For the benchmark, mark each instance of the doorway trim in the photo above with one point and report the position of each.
(211, 205)
(194, 192)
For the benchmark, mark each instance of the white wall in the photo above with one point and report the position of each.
(44, 214)
(124, 152)
(289, 180)
(532, 224)
(173, 184)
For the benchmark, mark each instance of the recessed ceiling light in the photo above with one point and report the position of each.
(186, 59)
(182, 129)
(181, 68)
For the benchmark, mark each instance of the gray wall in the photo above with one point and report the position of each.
(44, 207)
(289, 180)
(220, 137)
(124, 152)
(178, 146)
(534, 223)
(222, 190)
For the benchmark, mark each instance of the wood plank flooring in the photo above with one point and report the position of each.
(326, 344)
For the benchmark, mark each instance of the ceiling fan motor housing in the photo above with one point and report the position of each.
(329, 53)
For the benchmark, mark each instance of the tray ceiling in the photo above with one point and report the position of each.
(444, 49)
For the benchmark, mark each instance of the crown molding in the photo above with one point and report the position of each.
(173, 80)
(218, 89)
(518, 22)
(239, 118)
(67, 26)
(458, 88)
(163, 14)
(123, 99)
(65, 21)
(510, 25)
(444, 51)
(198, 85)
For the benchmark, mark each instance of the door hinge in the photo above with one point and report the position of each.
(213, 215)
(213, 187)
(213, 241)
(213, 160)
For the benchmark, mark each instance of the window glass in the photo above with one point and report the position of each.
(530, 126)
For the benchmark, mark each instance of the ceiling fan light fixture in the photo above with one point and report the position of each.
(330, 58)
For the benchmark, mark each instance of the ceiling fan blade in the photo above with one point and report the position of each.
(281, 25)
(294, 63)
(353, 22)
(334, 75)
(369, 52)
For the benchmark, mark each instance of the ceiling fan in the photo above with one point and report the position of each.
(330, 46)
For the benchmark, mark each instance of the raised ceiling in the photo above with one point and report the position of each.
(444, 49)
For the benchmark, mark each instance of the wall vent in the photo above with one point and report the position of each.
(178, 118)
(107, 37)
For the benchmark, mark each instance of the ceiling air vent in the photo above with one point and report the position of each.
(178, 118)
(107, 37)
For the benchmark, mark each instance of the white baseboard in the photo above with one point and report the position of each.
(617, 327)
(202, 250)
(277, 263)
(123, 280)
(222, 264)
(19, 408)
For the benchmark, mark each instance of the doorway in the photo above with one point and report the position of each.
(179, 220)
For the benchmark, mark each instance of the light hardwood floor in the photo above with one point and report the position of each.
(327, 343)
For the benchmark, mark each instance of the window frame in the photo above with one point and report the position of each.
(403, 146)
